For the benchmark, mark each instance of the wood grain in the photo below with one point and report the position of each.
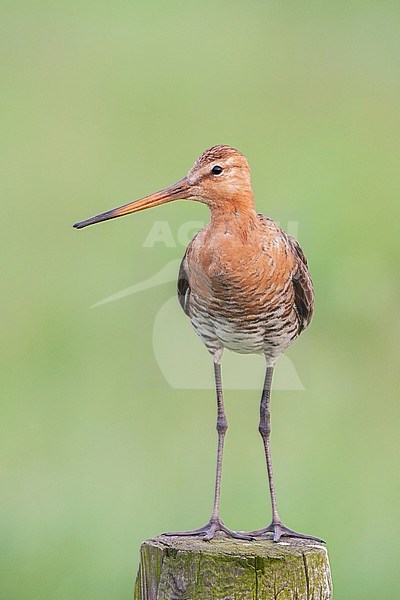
(226, 569)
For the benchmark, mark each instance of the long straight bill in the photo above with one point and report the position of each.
(179, 190)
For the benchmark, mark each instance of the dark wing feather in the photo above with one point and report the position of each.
(301, 280)
(183, 285)
(302, 285)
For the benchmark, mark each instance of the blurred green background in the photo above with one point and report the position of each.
(104, 102)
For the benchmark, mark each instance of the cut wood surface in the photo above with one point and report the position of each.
(179, 568)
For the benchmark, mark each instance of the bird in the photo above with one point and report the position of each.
(244, 283)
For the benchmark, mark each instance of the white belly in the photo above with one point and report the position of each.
(238, 337)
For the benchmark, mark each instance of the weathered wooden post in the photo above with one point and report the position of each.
(179, 568)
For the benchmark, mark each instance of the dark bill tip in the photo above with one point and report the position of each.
(79, 225)
(110, 214)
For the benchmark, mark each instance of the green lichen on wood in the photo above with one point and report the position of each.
(227, 569)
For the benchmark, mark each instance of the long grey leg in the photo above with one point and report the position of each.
(265, 431)
(276, 527)
(215, 524)
(222, 426)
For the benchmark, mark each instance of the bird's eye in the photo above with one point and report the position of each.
(216, 170)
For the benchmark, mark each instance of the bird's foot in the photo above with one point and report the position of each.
(279, 530)
(209, 531)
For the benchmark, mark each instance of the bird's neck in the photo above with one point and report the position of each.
(238, 220)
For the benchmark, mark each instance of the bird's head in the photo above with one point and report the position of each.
(220, 178)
